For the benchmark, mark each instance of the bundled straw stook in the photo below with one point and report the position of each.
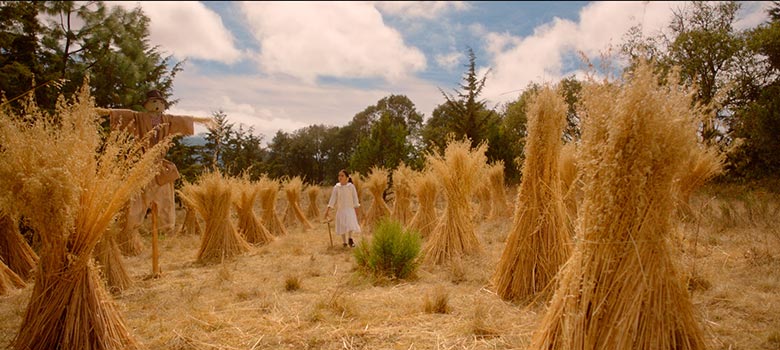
(269, 190)
(424, 220)
(313, 210)
(212, 197)
(249, 225)
(540, 239)
(129, 241)
(703, 164)
(191, 225)
(500, 206)
(109, 258)
(14, 250)
(358, 181)
(571, 184)
(293, 187)
(402, 205)
(70, 181)
(621, 289)
(376, 183)
(9, 280)
(458, 171)
(484, 206)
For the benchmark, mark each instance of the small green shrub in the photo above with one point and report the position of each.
(392, 252)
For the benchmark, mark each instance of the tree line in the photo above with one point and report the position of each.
(43, 51)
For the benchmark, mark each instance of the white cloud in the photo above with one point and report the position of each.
(419, 9)
(517, 61)
(270, 104)
(449, 61)
(338, 39)
(187, 29)
(752, 13)
(540, 57)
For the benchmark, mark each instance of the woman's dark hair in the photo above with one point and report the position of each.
(346, 173)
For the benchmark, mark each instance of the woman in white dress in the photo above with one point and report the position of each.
(344, 200)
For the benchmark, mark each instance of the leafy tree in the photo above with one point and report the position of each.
(61, 42)
(243, 152)
(463, 114)
(756, 120)
(19, 62)
(388, 133)
(217, 139)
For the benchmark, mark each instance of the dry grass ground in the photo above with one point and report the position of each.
(298, 293)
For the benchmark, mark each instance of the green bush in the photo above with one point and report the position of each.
(392, 252)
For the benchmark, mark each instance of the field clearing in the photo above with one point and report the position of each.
(299, 293)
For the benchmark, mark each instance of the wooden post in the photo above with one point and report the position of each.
(330, 235)
(155, 251)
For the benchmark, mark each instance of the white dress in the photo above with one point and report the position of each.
(345, 199)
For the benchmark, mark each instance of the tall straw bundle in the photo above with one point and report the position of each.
(212, 197)
(191, 225)
(497, 192)
(9, 280)
(357, 181)
(424, 187)
(703, 163)
(249, 225)
(540, 239)
(14, 250)
(293, 188)
(129, 241)
(484, 200)
(376, 183)
(459, 170)
(269, 189)
(621, 288)
(70, 182)
(313, 210)
(571, 184)
(402, 178)
(109, 257)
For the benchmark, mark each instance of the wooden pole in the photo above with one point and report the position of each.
(155, 251)
(330, 235)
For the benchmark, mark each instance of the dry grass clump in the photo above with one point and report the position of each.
(500, 207)
(458, 170)
(402, 189)
(424, 220)
(437, 302)
(269, 189)
(293, 188)
(292, 283)
(59, 172)
(313, 209)
(212, 197)
(249, 225)
(191, 225)
(14, 250)
(109, 258)
(622, 289)
(540, 239)
(376, 183)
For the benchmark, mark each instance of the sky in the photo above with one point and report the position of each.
(286, 65)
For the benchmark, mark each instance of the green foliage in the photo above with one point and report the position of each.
(464, 114)
(59, 43)
(392, 252)
(387, 134)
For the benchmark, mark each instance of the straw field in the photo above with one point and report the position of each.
(730, 256)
